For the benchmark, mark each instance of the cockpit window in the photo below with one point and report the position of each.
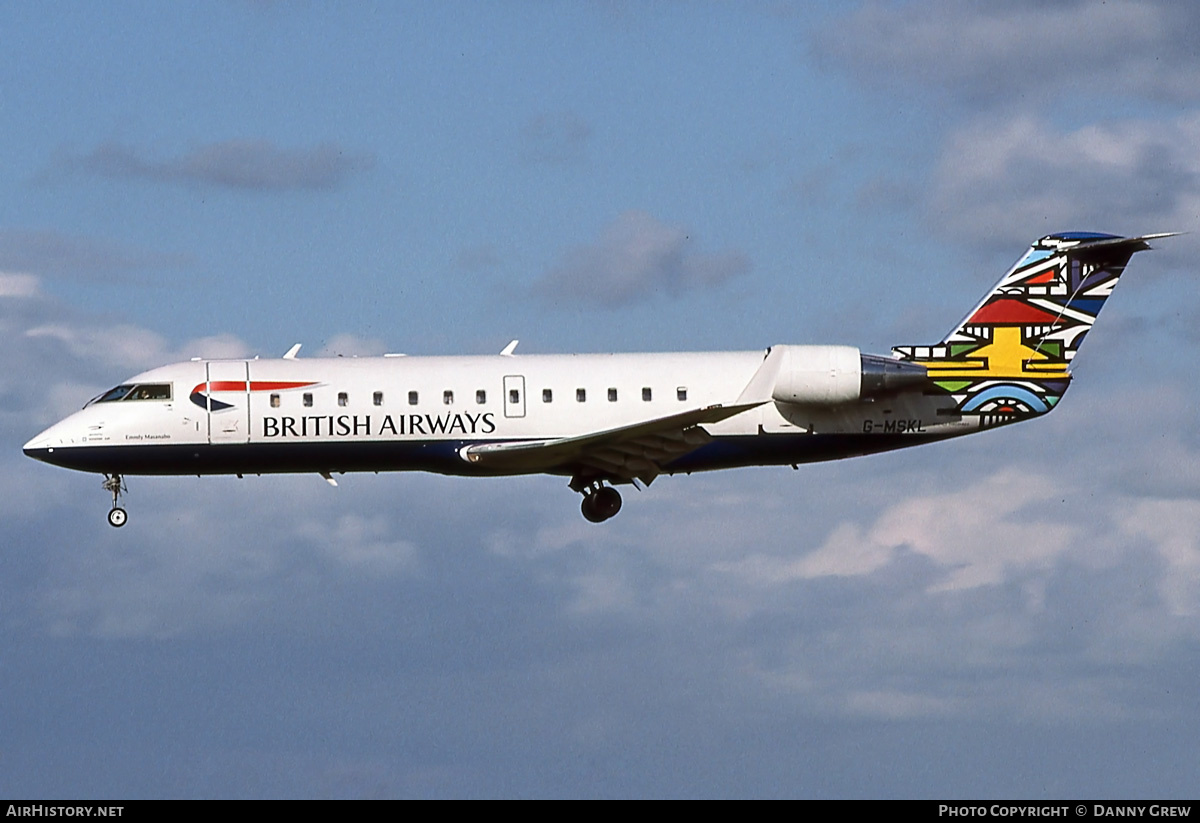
(150, 391)
(114, 394)
(138, 391)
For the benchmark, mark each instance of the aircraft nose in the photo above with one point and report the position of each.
(44, 446)
(38, 447)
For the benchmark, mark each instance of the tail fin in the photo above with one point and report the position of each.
(1010, 357)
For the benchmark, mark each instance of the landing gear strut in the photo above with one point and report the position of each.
(600, 503)
(116, 484)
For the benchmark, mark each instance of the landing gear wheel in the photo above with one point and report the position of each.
(588, 508)
(115, 484)
(607, 501)
(601, 504)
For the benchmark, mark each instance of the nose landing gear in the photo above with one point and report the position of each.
(600, 503)
(114, 483)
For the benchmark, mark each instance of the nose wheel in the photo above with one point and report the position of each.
(114, 483)
(600, 503)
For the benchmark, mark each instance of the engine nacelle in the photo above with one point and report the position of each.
(817, 375)
(832, 375)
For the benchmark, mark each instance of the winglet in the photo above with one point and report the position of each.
(292, 352)
(508, 350)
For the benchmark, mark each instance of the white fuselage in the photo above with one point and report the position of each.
(398, 412)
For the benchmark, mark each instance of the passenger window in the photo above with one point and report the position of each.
(681, 393)
(646, 394)
(377, 398)
(343, 398)
(514, 395)
(480, 396)
(580, 395)
(612, 395)
(274, 401)
(448, 397)
(547, 396)
(412, 398)
(307, 399)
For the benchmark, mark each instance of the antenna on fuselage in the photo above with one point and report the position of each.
(508, 350)
(292, 352)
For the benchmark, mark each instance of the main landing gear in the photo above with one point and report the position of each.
(600, 503)
(116, 484)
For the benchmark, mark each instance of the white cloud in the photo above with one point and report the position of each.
(55, 254)
(57, 358)
(638, 257)
(556, 137)
(362, 543)
(18, 285)
(1006, 181)
(130, 346)
(117, 345)
(977, 536)
(1050, 113)
(896, 705)
(1173, 528)
(1027, 53)
(180, 568)
(255, 165)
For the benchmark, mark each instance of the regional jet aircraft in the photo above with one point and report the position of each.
(603, 419)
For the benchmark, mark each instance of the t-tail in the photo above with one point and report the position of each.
(1010, 357)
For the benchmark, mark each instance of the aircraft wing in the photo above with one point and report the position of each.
(638, 451)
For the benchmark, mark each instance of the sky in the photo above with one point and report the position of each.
(1010, 615)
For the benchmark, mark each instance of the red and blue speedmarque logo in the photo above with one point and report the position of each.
(202, 394)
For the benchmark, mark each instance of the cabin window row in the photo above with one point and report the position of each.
(343, 398)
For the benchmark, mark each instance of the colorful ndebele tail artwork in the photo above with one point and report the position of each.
(1010, 358)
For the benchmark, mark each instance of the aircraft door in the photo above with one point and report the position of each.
(228, 393)
(514, 395)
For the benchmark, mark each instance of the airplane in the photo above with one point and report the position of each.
(603, 420)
